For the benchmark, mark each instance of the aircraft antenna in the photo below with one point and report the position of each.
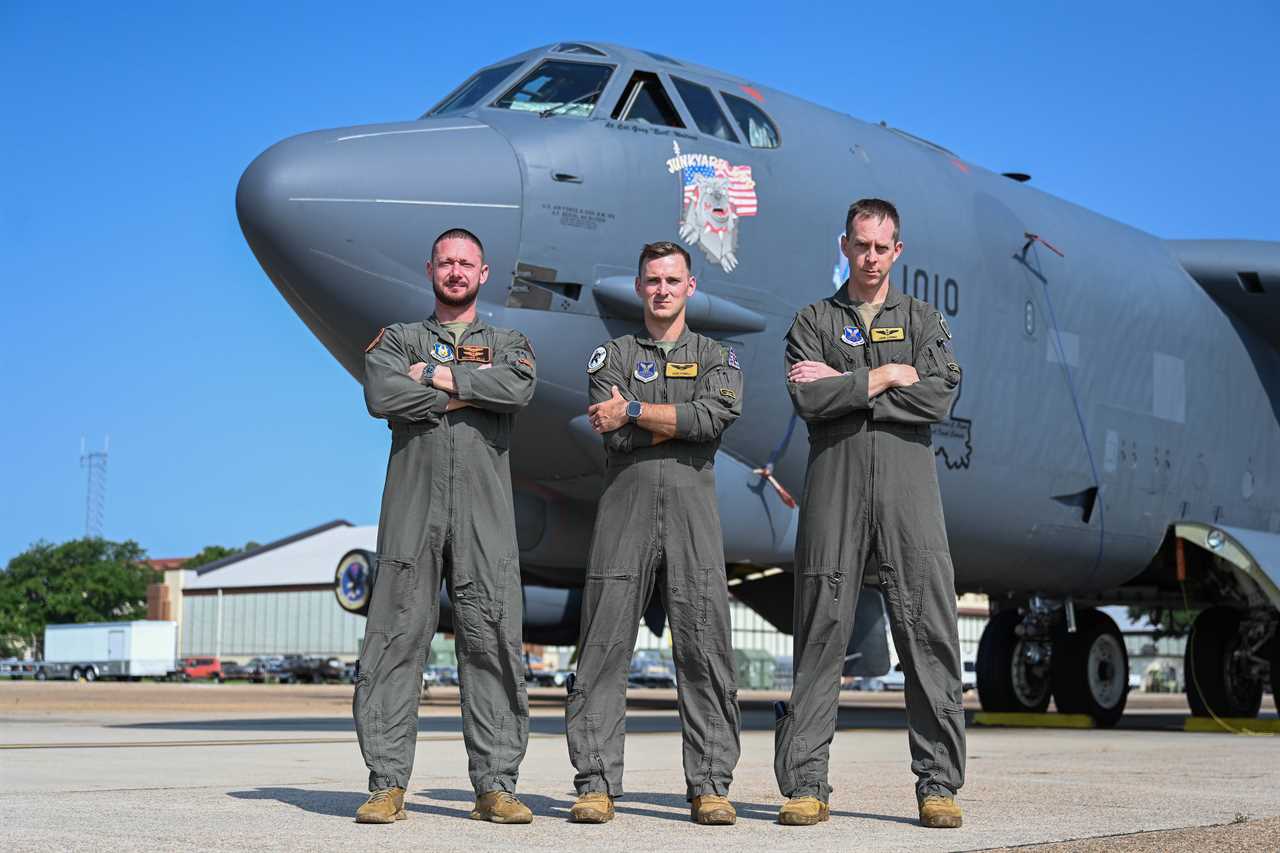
(95, 499)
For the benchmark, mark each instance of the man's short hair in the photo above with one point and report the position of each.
(662, 249)
(458, 234)
(876, 208)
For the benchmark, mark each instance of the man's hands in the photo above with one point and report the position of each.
(879, 380)
(808, 371)
(887, 376)
(610, 414)
(441, 379)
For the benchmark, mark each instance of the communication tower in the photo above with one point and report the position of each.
(95, 500)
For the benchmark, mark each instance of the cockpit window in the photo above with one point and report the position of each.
(646, 101)
(574, 47)
(706, 113)
(562, 88)
(759, 130)
(473, 91)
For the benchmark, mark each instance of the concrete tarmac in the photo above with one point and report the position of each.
(105, 767)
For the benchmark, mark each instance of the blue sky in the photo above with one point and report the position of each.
(132, 307)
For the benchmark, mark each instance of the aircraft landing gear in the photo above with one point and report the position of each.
(1091, 669)
(1225, 663)
(1013, 663)
(1027, 655)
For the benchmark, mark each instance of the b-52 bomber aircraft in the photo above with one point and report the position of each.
(1116, 438)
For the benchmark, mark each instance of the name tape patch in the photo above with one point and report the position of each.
(894, 333)
(682, 370)
(474, 352)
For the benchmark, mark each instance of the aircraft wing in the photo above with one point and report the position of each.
(1243, 276)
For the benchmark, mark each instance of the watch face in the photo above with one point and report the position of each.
(633, 409)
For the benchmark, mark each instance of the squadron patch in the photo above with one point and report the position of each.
(377, 340)
(646, 371)
(852, 336)
(599, 356)
(475, 353)
(895, 333)
(731, 358)
(679, 370)
(441, 351)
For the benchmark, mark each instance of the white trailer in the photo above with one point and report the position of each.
(96, 650)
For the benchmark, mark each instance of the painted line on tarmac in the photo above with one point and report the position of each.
(1233, 725)
(1033, 720)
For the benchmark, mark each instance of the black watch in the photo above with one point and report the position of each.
(428, 374)
(634, 409)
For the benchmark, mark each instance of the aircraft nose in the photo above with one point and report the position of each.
(342, 221)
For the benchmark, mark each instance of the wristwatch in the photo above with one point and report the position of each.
(428, 374)
(634, 409)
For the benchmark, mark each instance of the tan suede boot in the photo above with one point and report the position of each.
(592, 807)
(938, 812)
(383, 806)
(501, 807)
(712, 810)
(803, 811)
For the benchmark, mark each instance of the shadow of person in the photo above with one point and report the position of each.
(537, 803)
(332, 803)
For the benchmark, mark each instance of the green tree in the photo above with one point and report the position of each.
(84, 580)
(213, 553)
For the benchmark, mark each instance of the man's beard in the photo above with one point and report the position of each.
(464, 301)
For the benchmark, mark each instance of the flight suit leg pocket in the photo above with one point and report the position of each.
(479, 603)
(932, 595)
(394, 586)
(607, 601)
(822, 591)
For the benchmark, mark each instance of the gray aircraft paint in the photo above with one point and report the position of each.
(1109, 366)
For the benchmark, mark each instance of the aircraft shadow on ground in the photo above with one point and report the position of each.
(752, 720)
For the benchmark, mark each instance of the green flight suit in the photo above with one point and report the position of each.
(658, 518)
(871, 513)
(446, 510)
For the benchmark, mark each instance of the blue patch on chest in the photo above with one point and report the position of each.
(646, 371)
(852, 336)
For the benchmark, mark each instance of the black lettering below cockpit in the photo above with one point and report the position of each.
(942, 293)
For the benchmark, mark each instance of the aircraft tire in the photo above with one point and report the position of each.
(1214, 683)
(1091, 669)
(1275, 671)
(1004, 682)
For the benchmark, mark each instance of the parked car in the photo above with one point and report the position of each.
(266, 669)
(651, 668)
(439, 675)
(891, 680)
(237, 671)
(200, 669)
(296, 669)
(968, 675)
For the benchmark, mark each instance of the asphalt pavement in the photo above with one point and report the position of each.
(186, 767)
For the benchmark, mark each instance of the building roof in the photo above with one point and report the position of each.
(166, 564)
(306, 558)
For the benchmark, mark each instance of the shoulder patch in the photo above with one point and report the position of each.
(728, 394)
(731, 358)
(376, 340)
(599, 356)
